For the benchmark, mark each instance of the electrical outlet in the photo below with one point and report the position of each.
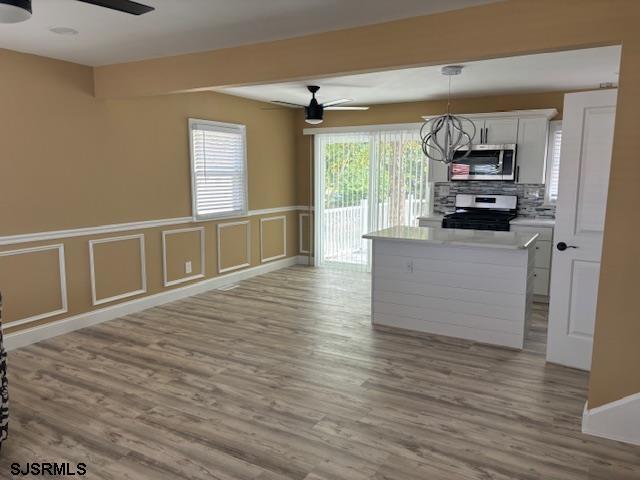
(532, 192)
(187, 267)
(444, 190)
(409, 266)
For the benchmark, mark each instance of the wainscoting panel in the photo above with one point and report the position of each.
(273, 238)
(179, 247)
(89, 269)
(234, 246)
(303, 233)
(42, 293)
(118, 268)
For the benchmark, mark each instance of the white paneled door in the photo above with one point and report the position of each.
(585, 160)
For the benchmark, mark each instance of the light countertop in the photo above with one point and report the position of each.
(522, 221)
(455, 237)
(534, 222)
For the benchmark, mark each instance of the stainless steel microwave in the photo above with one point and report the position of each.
(484, 162)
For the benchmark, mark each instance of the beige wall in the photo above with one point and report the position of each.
(273, 235)
(411, 112)
(96, 162)
(117, 267)
(235, 238)
(71, 160)
(526, 26)
(181, 247)
(28, 295)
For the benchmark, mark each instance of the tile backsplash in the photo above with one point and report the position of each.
(530, 196)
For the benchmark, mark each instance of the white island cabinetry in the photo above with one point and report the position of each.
(469, 284)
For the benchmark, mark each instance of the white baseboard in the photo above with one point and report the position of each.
(28, 336)
(619, 420)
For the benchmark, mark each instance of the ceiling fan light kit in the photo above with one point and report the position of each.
(14, 11)
(314, 112)
(447, 134)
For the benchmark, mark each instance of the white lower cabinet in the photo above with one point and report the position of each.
(543, 250)
(544, 247)
(541, 281)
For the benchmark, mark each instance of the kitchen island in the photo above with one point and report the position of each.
(470, 284)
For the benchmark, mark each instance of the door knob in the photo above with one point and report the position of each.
(563, 246)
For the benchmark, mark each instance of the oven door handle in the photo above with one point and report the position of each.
(501, 163)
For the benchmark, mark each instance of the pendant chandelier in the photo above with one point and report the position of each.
(445, 135)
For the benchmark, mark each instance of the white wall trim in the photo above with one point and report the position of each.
(87, 231)
(165, 234)
(269, 211)
(124, 227)
(248, 242)
(547, 113)
(284, 237)
(62, 272)
(301, 232)
(618, 420)
(143, 269)
(29, 336)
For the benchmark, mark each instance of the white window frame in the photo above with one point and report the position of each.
(554, 126)
(223, 125)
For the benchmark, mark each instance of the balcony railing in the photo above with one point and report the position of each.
(343, 227)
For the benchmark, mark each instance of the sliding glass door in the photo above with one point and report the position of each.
(365, 181)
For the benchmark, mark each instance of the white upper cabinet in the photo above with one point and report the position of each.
(528, 129)
(531, 153)
(438, 172)
(499, 131)
(479, 124)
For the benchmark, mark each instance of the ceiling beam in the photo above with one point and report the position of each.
(454, 36)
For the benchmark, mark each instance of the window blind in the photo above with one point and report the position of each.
(218, 169)
(366, 180)
(553, 162)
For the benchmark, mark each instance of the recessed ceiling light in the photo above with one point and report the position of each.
(64, 30)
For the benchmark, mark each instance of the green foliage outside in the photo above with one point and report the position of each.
(401, 171)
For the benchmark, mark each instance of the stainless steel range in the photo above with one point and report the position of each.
(482, 212)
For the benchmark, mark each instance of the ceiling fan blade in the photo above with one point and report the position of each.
(337, 102)
(126, 6)
(347, 108)
(288, 104)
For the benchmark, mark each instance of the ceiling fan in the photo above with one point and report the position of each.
(14, 11)
(314, 112)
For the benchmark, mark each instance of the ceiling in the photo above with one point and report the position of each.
(185, 26)
(547, 72)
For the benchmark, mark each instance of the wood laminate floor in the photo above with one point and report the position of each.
(283, 378)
